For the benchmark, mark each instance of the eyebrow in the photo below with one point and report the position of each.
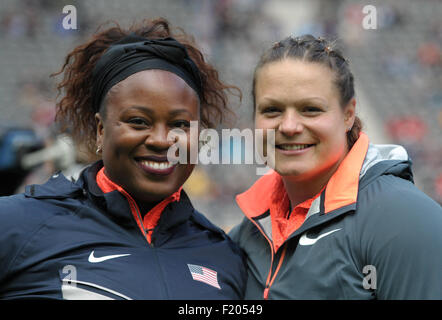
(180, 111)
(142, 109)
(151, 112)
(300, 101)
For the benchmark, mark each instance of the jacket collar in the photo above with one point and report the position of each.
(341, 190)
(112, 204)
(174, 214)
(145, 221)
(116, 203)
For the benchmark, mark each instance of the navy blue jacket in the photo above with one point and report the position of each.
(68, 240)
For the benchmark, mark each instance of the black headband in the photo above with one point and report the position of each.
(133, 54)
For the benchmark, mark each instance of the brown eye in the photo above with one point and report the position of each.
(138, 122)
(181, 124)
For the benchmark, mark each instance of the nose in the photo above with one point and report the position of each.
(157, 138)
(291, 123)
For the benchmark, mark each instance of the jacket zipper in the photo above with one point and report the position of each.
(270, 281)
(133, 204)
(139, 221)
(270, 278)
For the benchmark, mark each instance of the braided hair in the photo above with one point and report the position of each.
(319, 50)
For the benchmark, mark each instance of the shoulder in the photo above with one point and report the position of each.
(244, 233)
(398, 232)
(38, 202)
(393, 205)
(235, 232)
(393, 216)
(22, 214)
(389, 196)
(393, 211)
(217, 234)
(201, 220)
(20, 218)
(20, 209)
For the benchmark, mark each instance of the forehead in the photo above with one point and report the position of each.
(153, 88)
(290, 76)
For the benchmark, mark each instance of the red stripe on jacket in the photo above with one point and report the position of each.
(151, 218)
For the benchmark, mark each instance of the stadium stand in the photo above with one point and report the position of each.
(397, 69)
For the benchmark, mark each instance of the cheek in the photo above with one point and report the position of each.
(118, 141)
(330, 131)
(265, 123)
(333, 142)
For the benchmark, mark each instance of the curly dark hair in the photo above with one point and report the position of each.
(74, 112)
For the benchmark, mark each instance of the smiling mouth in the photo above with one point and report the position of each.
(156, 165)
(292, 147)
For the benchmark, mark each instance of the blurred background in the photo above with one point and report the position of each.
(397, 68)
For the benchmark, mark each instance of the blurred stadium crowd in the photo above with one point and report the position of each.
(397, 68)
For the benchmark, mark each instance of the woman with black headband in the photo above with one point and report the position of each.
(125, 229)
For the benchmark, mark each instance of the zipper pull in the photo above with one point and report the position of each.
(266, 293)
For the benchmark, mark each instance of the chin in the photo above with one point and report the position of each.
(291, 171)
(285, 171)
(152, 193)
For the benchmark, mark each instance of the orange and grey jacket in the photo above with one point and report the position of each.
(369, 234)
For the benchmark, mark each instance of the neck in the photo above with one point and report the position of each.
(301, 189)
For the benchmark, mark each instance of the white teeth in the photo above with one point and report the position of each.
(294, 146)
(157, 165)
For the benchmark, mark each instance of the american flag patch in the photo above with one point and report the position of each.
(204, 274)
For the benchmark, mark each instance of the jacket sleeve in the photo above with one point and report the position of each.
(401, 242)
(17, 224)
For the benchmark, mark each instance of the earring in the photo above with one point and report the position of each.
(98, 151)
